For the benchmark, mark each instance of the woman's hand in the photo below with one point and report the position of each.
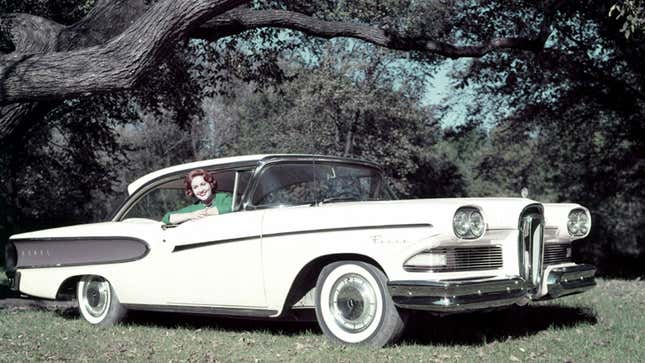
(208, 211)
(211, 211)
(183, 217)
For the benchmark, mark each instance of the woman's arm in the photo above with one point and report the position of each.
(177, 218)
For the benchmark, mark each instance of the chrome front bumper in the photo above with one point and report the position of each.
(451, 296)
(568, 280)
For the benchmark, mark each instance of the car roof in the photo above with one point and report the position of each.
(135, 185)
(232, 161)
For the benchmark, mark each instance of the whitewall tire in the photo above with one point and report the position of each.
(97, 301)
(354, 307)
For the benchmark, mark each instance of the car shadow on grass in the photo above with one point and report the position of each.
(190, 321)
(271, 326)
(485, 327)
(476, 328)
(6, 293)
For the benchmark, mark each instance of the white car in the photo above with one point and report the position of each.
(306, 232)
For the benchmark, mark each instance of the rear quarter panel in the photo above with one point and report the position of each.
(129, 279)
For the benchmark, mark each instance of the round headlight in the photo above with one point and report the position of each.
(572, 225)
(578, 223)
(461, 224)
(476, 224)
(583, 223)
(468, 223)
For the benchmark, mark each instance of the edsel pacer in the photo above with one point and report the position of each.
(306, 232)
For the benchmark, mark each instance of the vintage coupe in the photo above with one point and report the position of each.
(306, 232)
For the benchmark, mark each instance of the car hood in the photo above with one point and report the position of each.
(499, 213)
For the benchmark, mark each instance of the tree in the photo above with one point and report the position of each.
(118, 42)
(571, 127)
(349, 103)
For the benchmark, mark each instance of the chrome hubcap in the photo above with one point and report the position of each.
(96, 296)
(353, 303)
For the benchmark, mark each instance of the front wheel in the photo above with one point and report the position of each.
(354, 307)
(97, 301)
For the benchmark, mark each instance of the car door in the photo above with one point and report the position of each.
(217, 261)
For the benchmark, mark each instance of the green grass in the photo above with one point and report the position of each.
(605, 324)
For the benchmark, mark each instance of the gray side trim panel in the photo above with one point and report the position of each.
(77, 251)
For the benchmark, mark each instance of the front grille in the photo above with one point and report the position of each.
(531, 246)
(555, 253)
(469, 258)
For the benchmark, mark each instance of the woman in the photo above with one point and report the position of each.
(202, 185)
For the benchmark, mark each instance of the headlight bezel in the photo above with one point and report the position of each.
(469, 222)
(578, 222)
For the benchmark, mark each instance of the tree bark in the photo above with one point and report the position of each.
(118, 41)
(32, 35)
(239, 20)
(117, 65)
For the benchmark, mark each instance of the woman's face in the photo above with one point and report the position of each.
(201, 188)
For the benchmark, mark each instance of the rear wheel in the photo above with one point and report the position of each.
(97, 301)
(354, 307)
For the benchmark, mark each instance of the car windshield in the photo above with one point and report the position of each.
(300, 183)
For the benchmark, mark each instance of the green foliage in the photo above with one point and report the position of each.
(632, 13)
(342, 108)
(53, 180)
(569, 129)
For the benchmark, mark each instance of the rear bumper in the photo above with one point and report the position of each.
(453, 296)
(14, 281)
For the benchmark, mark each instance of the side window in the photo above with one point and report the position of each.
(286, 184)
(157, 202)
(171, 195)
(350, 182)
(293, 183)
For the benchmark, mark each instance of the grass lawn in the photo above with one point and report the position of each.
(603, 325)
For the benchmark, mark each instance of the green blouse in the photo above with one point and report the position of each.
(222, 202)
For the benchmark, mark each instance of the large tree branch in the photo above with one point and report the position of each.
(120, 62)
(107, 19)
(117, 65)
(29, 34)
(241, 19)
(112, 47)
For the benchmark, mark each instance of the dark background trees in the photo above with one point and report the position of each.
(545, 95)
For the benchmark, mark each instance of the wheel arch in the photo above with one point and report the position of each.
(308, 275)
(67, 289)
